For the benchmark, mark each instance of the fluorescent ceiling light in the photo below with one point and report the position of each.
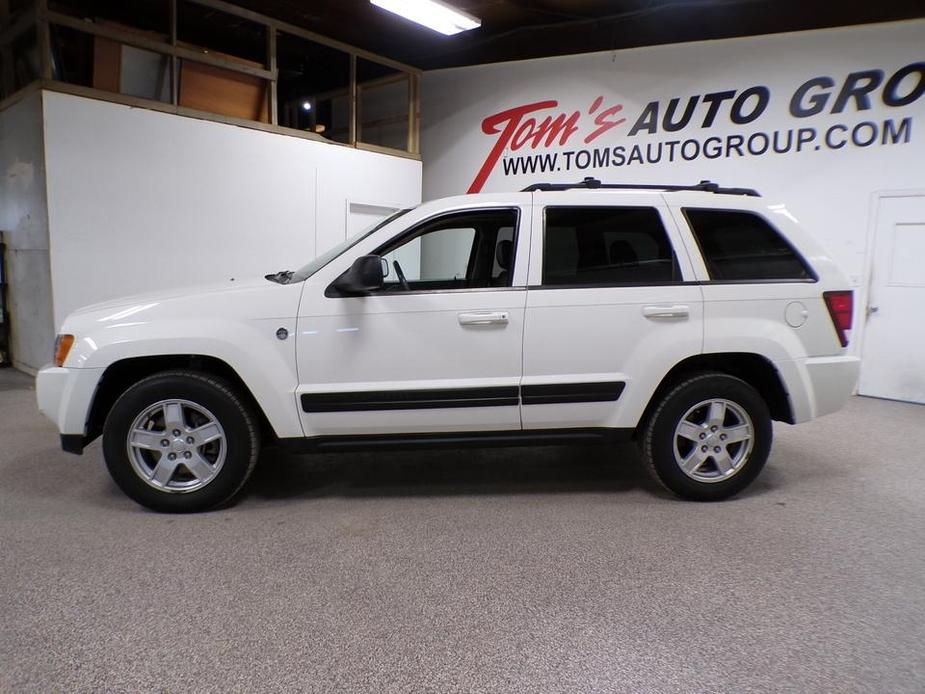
(432, 14)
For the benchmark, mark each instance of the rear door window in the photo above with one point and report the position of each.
(593, 246)
(743, 246)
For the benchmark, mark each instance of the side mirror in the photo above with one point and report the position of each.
(365, 275)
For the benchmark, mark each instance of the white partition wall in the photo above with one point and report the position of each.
(141, 200)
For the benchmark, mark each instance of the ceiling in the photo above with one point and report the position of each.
(517, 29)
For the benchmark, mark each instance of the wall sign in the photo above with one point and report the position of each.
(540, 137)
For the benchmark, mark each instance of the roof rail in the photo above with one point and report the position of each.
(593, 184)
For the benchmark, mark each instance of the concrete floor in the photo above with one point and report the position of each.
(511, 570)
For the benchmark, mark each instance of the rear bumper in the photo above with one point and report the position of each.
(820, 385)
(64, 396)
(833, 381)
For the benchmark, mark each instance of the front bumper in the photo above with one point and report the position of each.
(64, 395)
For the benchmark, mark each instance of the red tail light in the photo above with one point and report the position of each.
(841, 308)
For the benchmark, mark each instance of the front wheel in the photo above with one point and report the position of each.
(708, 438)
(180, 441)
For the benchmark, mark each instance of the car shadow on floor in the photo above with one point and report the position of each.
(548, 469)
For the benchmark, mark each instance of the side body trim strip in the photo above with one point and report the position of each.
(571, 392)
(500, 396)
(410, 399)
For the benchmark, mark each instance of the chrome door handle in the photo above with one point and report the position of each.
(483, 318)
(660, 312)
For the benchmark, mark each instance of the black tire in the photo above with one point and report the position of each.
(241, 439)
(658, 441)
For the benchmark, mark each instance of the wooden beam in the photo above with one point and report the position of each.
(413, 98)
(387, 150)
(163, 47)
(209, 59)
(354, 121)
(43, 35)
(129, 38)
(271, 64)
(174, 60)
(223, 6)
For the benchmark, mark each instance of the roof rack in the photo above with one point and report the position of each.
(593, 184)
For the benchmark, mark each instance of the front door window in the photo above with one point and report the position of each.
(467, 250)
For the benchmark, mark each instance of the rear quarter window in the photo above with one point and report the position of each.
(743, 246)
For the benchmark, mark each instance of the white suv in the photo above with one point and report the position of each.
(684, 317)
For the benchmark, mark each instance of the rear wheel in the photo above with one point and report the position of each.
(708, 438)
(180, 441)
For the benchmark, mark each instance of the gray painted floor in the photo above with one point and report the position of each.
(513, 570)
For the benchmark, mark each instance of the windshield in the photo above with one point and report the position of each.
(306, 271)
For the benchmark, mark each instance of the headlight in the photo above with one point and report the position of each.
(63, 344)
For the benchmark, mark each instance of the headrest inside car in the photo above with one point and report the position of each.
(503, 254)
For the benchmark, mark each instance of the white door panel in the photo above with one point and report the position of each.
(625, 336)
(412, 343)
(603, 335)
(413, 361)
(893, 360)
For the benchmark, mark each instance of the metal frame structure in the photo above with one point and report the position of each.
(40, 18)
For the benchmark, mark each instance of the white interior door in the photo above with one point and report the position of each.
(893, 359)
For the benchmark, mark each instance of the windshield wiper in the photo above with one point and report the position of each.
(281, 277)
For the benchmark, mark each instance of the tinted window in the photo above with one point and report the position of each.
(467, 250)
(744, 246)
(606, 245)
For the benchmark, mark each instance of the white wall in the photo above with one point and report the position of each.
(830, 190)
(141, 200)
(24, 221)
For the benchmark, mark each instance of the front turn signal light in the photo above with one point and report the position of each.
(63, 344)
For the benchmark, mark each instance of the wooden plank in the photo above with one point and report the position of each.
(387, 150)
(111, 97)
(209, 88)
(354, 134)
(174, 60)
(219, 60)
(107, 64)
(271, 64)
(44, 39)
(417, 116)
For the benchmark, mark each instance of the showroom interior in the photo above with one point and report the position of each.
(153, 147)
